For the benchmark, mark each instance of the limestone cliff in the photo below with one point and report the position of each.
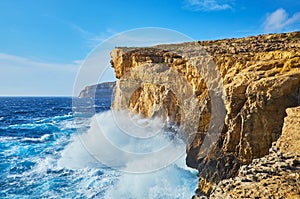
(101, 90)
(257, 79)
(276, 175)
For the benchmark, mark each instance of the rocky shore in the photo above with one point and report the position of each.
(260, 79)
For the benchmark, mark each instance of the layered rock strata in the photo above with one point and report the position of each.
(276, 175)
(256, 79)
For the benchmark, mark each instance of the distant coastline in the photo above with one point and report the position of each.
(103, 90)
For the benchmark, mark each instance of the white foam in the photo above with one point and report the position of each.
(43, 138)
(31, 126)
(153, 165)
(168, 183)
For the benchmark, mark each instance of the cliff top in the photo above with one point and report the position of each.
(259, 43)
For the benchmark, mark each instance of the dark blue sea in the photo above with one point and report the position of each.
(41, 157)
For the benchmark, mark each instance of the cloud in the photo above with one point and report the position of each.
(208, 5)
(13, 60)
(25, 76)
(91, 40)
(95, 40)
(84, 33)
(279, 20)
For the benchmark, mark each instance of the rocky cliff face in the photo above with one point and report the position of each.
(276, 175)
(255, 80)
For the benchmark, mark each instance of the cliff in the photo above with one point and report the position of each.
(237, 90)
(101, 90)
(276, 175)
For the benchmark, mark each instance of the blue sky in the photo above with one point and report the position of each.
(43, 43)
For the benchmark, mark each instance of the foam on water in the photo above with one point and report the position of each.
(171, 182)
(32, 126)
(43, 138)
(56, 118)
(42, 156)
(150, 166)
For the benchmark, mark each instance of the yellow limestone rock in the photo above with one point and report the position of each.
(276, 175)
(260, 77)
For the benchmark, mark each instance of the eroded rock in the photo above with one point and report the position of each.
(276, 175)
(260, 78)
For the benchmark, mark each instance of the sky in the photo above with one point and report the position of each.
(43, 44)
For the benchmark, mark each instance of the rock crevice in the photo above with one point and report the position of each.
(260, 78)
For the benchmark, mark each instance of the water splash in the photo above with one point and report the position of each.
(103, 146)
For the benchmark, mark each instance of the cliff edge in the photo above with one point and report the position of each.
(259, 77)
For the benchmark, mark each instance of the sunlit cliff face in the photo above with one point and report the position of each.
(261, 79)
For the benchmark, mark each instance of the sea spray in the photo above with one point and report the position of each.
(170, 182)
(148, 156)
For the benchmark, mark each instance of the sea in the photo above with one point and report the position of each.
(48, 147)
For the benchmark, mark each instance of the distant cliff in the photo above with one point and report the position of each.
(260, 77)
(102, 90)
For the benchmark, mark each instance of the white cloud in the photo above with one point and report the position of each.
(25, 76)
(279, 20)
(208, 5)
(91, 39)
(12, 61)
